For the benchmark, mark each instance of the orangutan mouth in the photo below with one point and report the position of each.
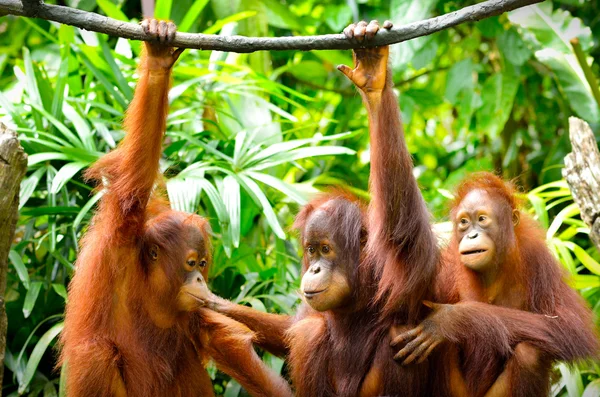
(312, 294)
(473, 252)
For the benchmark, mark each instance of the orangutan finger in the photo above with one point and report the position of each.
(406, 336)
(410, 347)
(428, 352)
(417, 352)
(349, 31)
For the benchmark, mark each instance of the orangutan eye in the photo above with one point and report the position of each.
(203, 263)
(464, 221)
(482, 218)
(325, 249)
(191, 263)
(310, 249)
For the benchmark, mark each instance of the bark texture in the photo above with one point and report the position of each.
(582, 172)
(13, 164)
(99, 23)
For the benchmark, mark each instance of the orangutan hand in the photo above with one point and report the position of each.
(160, 53)
(420, 342)
(370, 64)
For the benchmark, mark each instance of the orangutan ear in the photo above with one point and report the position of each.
(153, 252)
(516, 217)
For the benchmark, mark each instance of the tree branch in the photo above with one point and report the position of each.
(582, 172)
(13, 165)
(98, 23)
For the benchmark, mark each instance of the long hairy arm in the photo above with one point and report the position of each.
(130, 171)
(400, 237)
(270, 329)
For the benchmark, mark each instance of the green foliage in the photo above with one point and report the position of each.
(250, 137)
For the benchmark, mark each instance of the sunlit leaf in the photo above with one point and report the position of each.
(20, 267)
(567, 212)
(192, 15)
(31, 297)
(37, 354)
(65, 174)
(253, 189)
(111, 10)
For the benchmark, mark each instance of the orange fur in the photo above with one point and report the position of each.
(124, 334)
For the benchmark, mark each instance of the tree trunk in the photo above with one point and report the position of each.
(582, 172)
(13, 164)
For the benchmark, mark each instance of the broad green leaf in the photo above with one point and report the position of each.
(253, 189)
(65, 174)
(460, 77)
(81, 126)
(280, 185)
(111, 10)
(67, 133)
(216, 200)
(62, 384)
(184, 193)
(50, 210)
(28, 186)
(60, 290)
(192, 15)
(540, 209)
(162, 9)
(31, 297)
(338, 16)
(281, 16)
(116, 70)
(552, 28)
(567, 212)
(231, 198)
(66, 36)
(20, 267)
(403, 12)
(564, 255)
(513, 47)
(31, 86)
(498, 94)
(303, 153)
(284, 147)
(37, 354)
(233, 389)
(108, 86)
(592, 389)
(583, 281)
(40, 157)
(86, 208)
(232, 18)
(572, 378)
(257, 304)
(573, 82)
(586, 260)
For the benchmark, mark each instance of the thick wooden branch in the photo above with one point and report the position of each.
(582, 172)
(98, 23)
(13, 164)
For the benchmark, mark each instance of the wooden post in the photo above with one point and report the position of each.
(582, 172)
(13, 164)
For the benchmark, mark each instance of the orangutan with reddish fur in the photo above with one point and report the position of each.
(516, 315)
(338, 341)
(134, 324)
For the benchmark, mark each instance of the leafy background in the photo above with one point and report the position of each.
(251, 136)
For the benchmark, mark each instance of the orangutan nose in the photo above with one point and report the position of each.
(473, 235)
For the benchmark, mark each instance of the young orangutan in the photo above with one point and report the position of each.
(498, 256)
(133, 325)
(338, 341)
